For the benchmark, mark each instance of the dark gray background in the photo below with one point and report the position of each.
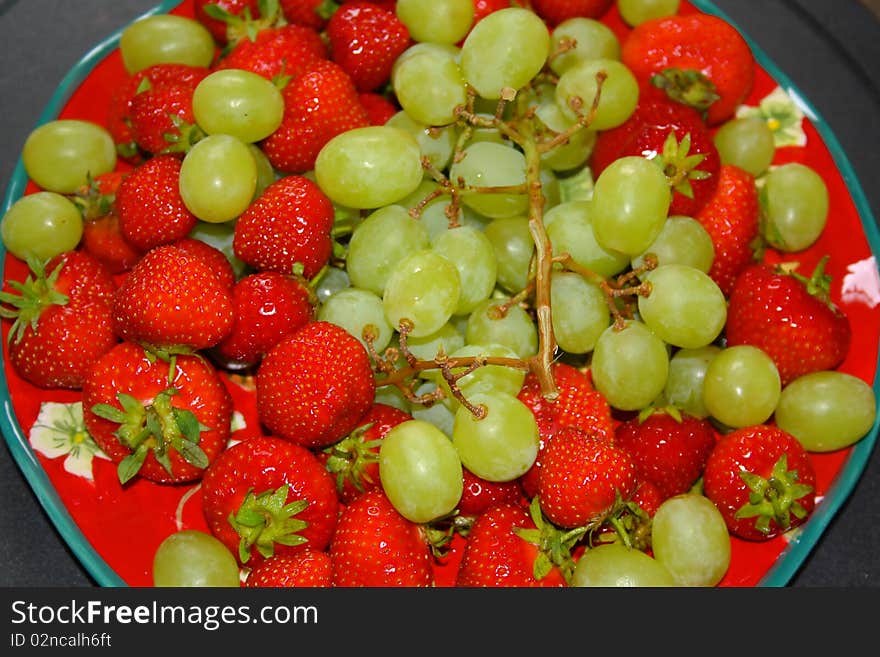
(830, 49)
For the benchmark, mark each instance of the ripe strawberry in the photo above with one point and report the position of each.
(647, 497)
(555, 11)
(150, 208)
(276, 53)
(698, 59)
(211, 256)
(164, 421)
(365, 40)
(288, 227)
(62, 319)
(266, 496)
(354, 460)
(319, 104)
(102, 237)
(668, 448)
(479, 494)
(762, 480)
(315, 385)
(162, 119)
(376, 546)
(379, 109)
(172, 300)
(483, 8)
(313, 13)
(307, 568)
(791, 317)
(267, 306)
(221, 16)
(731, 217)
(690, 160)
(582, 478)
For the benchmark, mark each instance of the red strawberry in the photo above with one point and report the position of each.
(211, 256)
(379, 109)
(555, 11)
(266, 496)
(699, 59)
(172, 299)
(221, 16)
(647, 497)
(319, 104)
(479, 494)
(582, 478)
(162, 119)
(762, 480)
(150, 208)
(731, 218)
(164, 421)
(314, 386)
(365, 40)
(354, 460)
(483, 8)
(313, 13)
(376, 546)
(286, 228)
(62, 319)
(668, 448)
(268, 306)
(690, 160)
(790, 317)
(276, 52)
(307, 568)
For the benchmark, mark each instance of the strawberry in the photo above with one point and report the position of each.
(365, 40)
(479, 494)
(378, 107)
(150, 208)
(162, 119)
(313, 13)
(647, 497)
(62, 319)
(306, 568)
(319, 104)
(226, 18)
(669, 448)
(583, 478)
(276, 53)
(163, 421)
(172, 300)
(376, 546)
(265, 496)
(731, 217)
(267, 306)
(698, 59)
(555, 11)
(315, 385)
(762, 480)
(354, 460)
(790, 317)
(211, 256)
(676, 137)
(483, 8)
(286, 229)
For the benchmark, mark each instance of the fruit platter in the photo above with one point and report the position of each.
(461, 293)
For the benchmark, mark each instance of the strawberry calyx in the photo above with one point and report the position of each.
(36, 293)
(186, 136)
(91, 202)
(348, 459)
(247, 26)
(774, 498)
(818, 284)
(554, 544)
(678, 165)
(265, 519)
(671, 410)
(687, 86)
(631, 525)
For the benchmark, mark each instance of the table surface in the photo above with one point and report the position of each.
(831, 51)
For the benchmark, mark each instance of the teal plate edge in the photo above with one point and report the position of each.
(786, 565)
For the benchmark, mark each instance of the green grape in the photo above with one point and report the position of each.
(61, 155)
(428, 83)
(420, 471)
(689, 537)
(592, 38)
(369, 167)
(355, 310)
(579, 312)
(238, 103)
(423, 288)
(436, 143)
(330, 281)
(794, 199)
(576, 150)
(569, 228)
(630, 365)
(447, 339)
(746, 142)
(503, 444)
(166, 39)
(484, 133)
(472, 254)
(382, 240)
(439, 415)
(439, 21)
(218, 178)
(265, 172)
(684, 385)
(487, 164)
(741, 386)
(685, 307)
(513, 328)
(630, 203)
(504, 50)
(486, 378)
(514, 247)
(616, 565)
(42, 225)
(682, 241)
(192, 558)
(392, 396)
(826, 410)
(578, 86)
(636, 12)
